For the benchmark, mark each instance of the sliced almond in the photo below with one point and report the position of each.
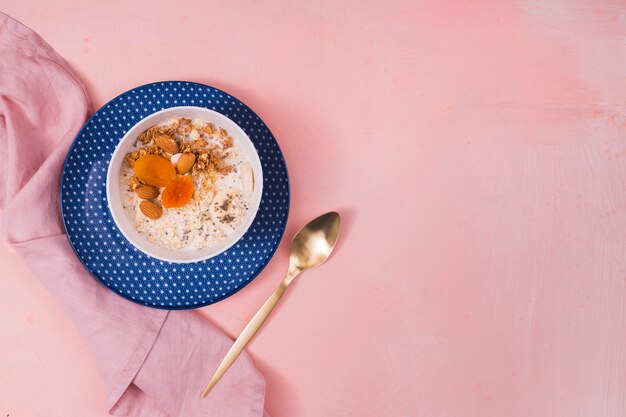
(147, 192)
(185, 162)
(166, 143)
(150, 209)
(174, 159)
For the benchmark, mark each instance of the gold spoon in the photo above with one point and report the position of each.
(310, 247)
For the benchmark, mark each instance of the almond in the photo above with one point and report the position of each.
(147, 192)
(150, 209)
(185, 162)
(166, 143)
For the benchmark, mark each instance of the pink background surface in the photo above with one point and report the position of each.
(477, 151)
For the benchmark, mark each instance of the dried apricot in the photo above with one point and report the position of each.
(178, 192)
(154, 170)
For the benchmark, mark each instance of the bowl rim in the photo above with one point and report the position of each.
(237, 235)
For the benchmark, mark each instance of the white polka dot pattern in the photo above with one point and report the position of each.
(112, 259)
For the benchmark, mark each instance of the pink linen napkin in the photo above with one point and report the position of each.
(152, 362)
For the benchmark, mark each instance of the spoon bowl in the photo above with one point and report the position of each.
(313, 244)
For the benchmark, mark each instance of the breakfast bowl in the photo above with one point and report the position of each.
(184, 184)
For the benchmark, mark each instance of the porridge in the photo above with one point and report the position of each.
(186, 185)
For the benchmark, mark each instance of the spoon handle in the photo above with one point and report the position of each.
(246, 335)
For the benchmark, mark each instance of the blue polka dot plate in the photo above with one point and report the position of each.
(106, 251)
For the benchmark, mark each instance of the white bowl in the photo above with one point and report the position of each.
(125, 223)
